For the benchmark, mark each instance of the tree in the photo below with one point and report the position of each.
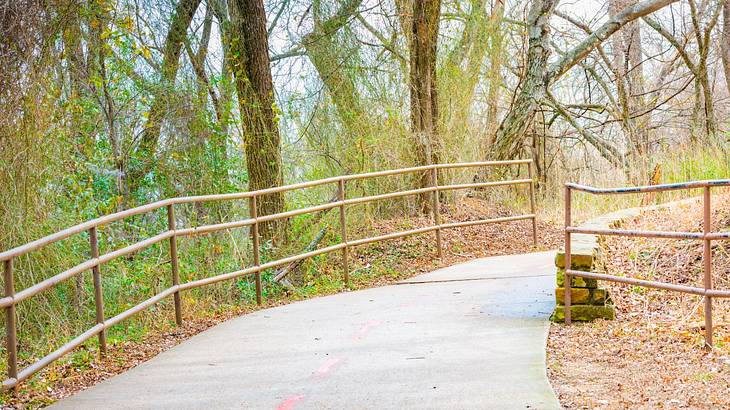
(725, 42)
(628, 70)
(539, 75)
(494, 75)
(459, 75)
(249, 56)
(424, 98)
(176, 36)
(703, 118)
(330, 57)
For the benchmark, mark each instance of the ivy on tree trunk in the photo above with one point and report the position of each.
(424, 98)
(251, 68)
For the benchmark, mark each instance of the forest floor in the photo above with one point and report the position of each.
(400, 259)
(652, 355)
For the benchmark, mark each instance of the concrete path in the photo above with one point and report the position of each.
(470, 336)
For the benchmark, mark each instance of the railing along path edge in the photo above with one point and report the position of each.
(12, 298)
(706, 236)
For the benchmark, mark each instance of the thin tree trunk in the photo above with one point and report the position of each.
(494, 84)
(508, 140)
(459, 76)
(329, 57)
(494, 74)
(702, 37)
(626, 65)
(179, 24)
(725, 42)
(703, 119)
(424, 99)
(251, 67)
(73, 52)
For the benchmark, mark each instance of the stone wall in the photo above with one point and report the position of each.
(588, 300)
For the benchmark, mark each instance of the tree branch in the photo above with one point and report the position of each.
(580, 51)
(384, 41)
(673, 41)
(607, 151)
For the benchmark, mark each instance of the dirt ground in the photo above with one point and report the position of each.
(652, 355)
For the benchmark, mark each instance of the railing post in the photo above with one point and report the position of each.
(253, 213)
(343, 232)
(532, 205)
(174, 263)
(12, 332)
(436, 210)
(707, 262)
(98, 295)
(567, 285)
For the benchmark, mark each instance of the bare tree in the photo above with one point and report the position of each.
(539, 75)
(704, 113)
(179, 23)
(628, 70)
(725, 42)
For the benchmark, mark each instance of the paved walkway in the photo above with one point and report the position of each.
(470, 336)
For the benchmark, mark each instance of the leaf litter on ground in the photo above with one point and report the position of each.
(652, 355)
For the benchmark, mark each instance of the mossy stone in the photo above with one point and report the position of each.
(575, 281)
(580, 259)
(584, 313)
(581, 296)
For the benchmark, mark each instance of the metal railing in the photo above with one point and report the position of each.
(12, 297)
(706, 236)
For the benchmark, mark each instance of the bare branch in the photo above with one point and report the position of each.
(580, 51)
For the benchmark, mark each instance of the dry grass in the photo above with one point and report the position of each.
(651, 356)
(405, 257)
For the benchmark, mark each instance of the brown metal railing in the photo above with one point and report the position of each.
(12, 298)
(706, 236)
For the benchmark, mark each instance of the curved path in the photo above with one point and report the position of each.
(471, 336)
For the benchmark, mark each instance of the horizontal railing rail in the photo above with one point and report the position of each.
(12, 297)
(707, 236)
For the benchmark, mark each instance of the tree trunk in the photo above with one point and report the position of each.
(627, 59)
(329, 57)
(508, 140)
(702, 36)
(424, 101)
(179, 23)
(251, 67)
(74, 56)
(459, 76)
(725, 42)
(494, 74)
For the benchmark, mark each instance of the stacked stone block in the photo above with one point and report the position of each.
(587, 301)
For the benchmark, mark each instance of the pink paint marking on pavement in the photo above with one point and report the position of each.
(363, 331)
(290, 402)
(326, 369)
(408, 303)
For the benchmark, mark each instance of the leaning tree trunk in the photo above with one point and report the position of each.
(251, 67)
(179, 23)
(509, 138)
(329, 56)
(424, 101)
